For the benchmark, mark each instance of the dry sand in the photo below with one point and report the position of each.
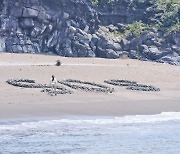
(18, 102)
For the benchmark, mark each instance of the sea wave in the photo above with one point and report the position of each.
(134, 119)
(129, 134)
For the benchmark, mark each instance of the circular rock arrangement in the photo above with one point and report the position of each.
(28, 83)
(132, 85)
(86, 86)
(121, 82)
(59, 90)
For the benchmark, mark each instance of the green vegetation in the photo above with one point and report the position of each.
(95, 2)
(167, 20)
(173, 28)
(116, 34)
(170, 9)
(136, 28)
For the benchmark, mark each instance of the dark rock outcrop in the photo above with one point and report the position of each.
(77, 28)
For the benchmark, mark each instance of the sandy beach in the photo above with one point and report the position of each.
(16, 102)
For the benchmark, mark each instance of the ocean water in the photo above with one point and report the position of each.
(146, 134)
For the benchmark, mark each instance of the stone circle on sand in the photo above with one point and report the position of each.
(28, 83)
(132, 85)
(82, 85)
(87, 86)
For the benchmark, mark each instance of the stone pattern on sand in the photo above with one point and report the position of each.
(86, 86)
(132, 85)
(28, 83)
(82, 85)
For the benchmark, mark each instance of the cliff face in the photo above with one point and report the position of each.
(77, 28)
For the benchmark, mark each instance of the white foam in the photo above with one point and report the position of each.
(165, 116)
(136, 119)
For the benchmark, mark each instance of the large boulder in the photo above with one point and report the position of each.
(83, 50)
(17, 49)
(111, 54)
(176, 49)
(26, 23)
(152, 52)
(2, 44)
(16, 11)
(30, 12)
(170, 59)
(176, 38)
(114, 46)
(28, 49)
(133, 54)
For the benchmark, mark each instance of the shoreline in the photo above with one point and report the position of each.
(24, 103)
(101, 119)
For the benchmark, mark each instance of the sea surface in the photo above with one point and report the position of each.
(146, 134)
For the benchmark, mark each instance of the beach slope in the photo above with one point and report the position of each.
(16, 102)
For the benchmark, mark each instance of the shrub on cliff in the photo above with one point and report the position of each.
(136, 28)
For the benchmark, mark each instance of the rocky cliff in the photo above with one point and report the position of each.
(85, 28)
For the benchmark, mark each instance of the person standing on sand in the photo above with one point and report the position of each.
(53, 83)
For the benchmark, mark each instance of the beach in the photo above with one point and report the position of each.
(120, 121)
(16, 102)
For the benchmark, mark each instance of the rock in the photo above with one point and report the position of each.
(52, 41)
(17, 49)
(111, 54)
(151, 35)
(76, 28)
(133, 54)
(113, 46)
(83, 38)
(143, 48)
(123, 54)
(153, 42)
(86, 86)
(41, 14)
(134, 43)
(28, 83)
(29, 12)
(9, 25)
(176, 49)
(90, 53)
(169, 59)
(36, 48)
(72, 29)
(176, 38)
(68, 52)
(121, 27)
(112, 28)
(65, 16)
(16, 11)
(82, 49)
(35, 32)
(26, 23)
(125, 44)
(48, 16)
(2, 44)
(28, 49)
(101, 52)
(95, 38)
(132, 85)
(154, 53)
